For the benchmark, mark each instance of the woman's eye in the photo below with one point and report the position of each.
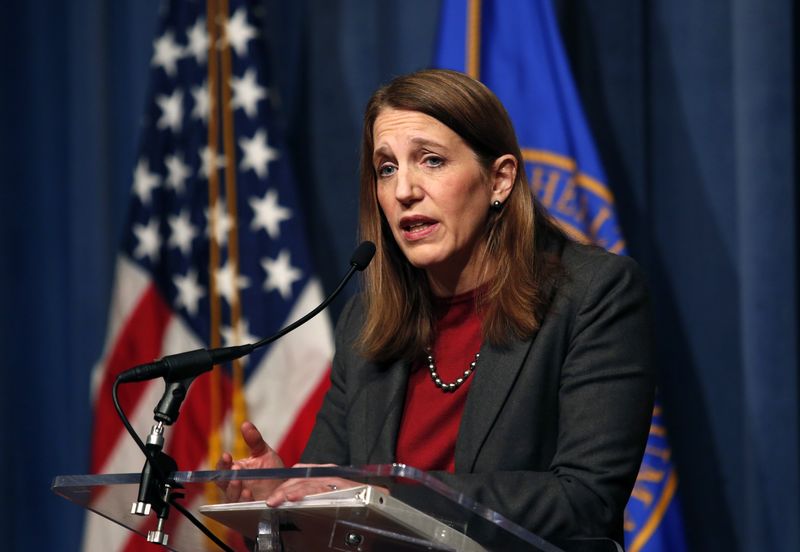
(434, 161)
(386, 170)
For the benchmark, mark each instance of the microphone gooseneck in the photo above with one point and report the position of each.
(180, 366)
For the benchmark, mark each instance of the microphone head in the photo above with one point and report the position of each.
(363, 255)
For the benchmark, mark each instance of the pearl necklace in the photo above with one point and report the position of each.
(452, 386)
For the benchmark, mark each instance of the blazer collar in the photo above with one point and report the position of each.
(495, 375)
(382, 412)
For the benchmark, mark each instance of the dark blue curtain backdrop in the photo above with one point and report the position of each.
(693, 107)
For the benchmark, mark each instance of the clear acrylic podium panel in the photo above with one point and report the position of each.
(111, 496)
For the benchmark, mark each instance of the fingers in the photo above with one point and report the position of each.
(233, 488)
(255, 442)
(298, 488)
(293, 490)
(233, 491)
(262, 456)
(225, 461)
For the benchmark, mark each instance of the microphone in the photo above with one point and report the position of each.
(181, 366)
(362, 256)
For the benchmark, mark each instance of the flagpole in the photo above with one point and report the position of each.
(473, 46)
(215, 406)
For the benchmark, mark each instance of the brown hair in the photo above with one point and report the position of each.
(399, 315)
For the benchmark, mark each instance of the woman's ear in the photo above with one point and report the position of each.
(504, 173)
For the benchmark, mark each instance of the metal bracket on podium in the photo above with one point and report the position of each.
(269, 538)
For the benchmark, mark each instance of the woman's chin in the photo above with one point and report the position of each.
(423, 260)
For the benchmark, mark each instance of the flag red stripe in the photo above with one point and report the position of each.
(139, 341)
(137, 543)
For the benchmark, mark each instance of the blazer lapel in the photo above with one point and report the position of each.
(382, 411)
(494, 377)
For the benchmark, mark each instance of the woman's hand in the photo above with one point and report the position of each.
(296, 489)
(262, 456)
(274, 491)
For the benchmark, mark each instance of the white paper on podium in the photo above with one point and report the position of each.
(328, 518)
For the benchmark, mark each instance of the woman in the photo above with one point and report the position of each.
(486, 346)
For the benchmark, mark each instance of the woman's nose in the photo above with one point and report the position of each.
(407, 189)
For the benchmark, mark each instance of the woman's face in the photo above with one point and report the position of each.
(434, 195)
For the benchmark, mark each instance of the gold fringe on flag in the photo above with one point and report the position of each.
(239, 405)
(215, 399)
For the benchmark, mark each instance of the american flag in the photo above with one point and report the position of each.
(214, 253)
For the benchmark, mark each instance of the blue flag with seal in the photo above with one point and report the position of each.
(514, 47)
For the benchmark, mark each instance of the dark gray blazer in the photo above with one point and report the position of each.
(554, 427)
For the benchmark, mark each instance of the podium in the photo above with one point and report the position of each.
(394, 508)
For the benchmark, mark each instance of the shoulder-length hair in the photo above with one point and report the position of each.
(399, 321)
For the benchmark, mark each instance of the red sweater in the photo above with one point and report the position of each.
(431, 417)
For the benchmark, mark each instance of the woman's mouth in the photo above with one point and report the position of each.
(417, 228)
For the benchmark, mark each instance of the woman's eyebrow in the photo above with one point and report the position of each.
(427, 142)
(384, 150)
(381, 151)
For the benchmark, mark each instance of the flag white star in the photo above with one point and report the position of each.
(241, 336)
(144, 181)
(239, 32)
(268, 214)
(198, 41)
(149, 240)
(280, 274)
(225, 282)
(222, 222)
(182, 232)
(178, 172)
(257, 153)
(171, 111)
(247, 93)
(189, 291)
(166, 53)
(205, 162)
(202, 102)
